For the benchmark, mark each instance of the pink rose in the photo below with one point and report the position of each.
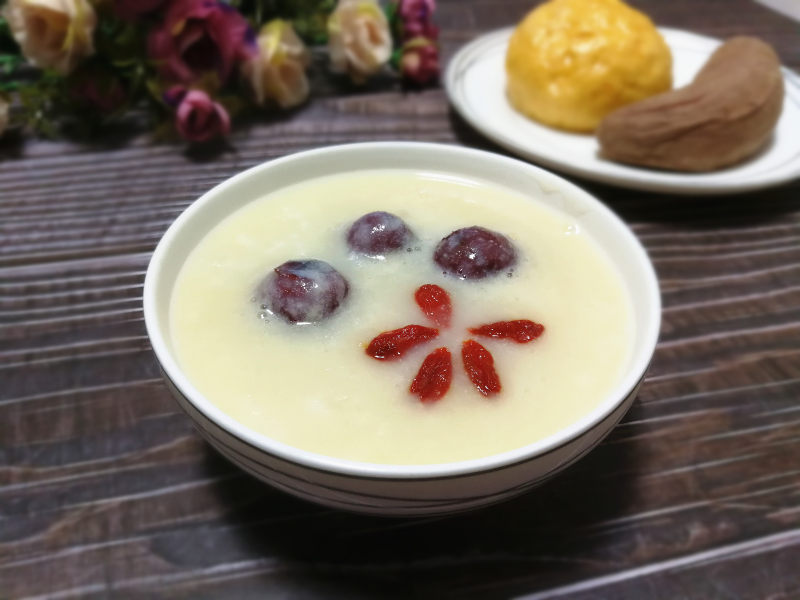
(419, 63)
(416, 18)
(426, 29)
(416, 10)
(131, 9)
(198, 36)
(198, 118)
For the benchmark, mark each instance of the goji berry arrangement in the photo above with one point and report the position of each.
(436, 373)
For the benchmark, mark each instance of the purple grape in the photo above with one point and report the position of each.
(378, 233)
(475, 253)
(303, 291)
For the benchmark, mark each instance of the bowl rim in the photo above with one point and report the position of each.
(156, 331)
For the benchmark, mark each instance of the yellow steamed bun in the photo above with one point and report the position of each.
(571, 62)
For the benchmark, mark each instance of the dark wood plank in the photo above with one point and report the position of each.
(105, 489)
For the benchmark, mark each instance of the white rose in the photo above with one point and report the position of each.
(53, 34)
(3, 115)
(278, 71)
(359, 41)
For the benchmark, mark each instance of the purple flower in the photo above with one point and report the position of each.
(198, 36)
(416, 10)
(174, 95)
(198, 118)
(416, 19)
(426, 29)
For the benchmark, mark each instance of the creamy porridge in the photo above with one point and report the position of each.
(314, 386)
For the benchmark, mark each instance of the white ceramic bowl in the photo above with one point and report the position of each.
(401, 489)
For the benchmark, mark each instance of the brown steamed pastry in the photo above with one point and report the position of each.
(724, 116)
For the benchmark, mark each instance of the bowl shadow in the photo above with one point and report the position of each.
(550, 534)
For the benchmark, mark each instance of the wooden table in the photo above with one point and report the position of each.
(106, 490)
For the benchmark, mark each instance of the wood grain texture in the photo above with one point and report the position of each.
(106, 490)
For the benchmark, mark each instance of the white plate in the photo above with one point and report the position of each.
(476, 83)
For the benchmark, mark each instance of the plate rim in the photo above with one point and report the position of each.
(641, 178)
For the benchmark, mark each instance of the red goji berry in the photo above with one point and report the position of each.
(434, 376)
(391, 345)
(435, 303)
(521, 331)
(479, 365)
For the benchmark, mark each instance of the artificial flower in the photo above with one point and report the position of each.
(419, 10)
(278, 71)
(413, 29)
(53, 34)
(359, 40)
(3, 115)
(198, 36)
(416, 18)
(419, 62)
(197, 56)
(131, 9)
(198, 118)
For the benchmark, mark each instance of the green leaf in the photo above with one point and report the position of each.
(156, 90)
(391, 12)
